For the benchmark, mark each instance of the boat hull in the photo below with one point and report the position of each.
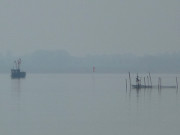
(140, 86)
(16, 73)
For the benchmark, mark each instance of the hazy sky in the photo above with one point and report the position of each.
(90, 26)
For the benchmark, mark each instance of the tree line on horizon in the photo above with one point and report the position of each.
(62, 62)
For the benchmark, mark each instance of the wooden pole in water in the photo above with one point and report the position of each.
(176, 83)
(126, 84)
(150, 79)
(144, 81)
(130, 80)
(159, 82)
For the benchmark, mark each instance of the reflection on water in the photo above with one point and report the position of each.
(16, 85)
(166, 82)
(90, 104)
(177, 90)
(93, 81)
(148, 91)
(16, 93)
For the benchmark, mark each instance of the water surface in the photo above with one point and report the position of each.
(86, 104)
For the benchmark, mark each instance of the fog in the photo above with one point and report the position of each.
(93, 27)
(62, 36)
(60, 61)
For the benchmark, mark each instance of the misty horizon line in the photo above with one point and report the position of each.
(60, 61)
(10, 53)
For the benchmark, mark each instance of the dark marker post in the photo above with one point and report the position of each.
(144, 81)
(150, 79)
(176, 83)
(126, 85)
(159, 83)
(130, 80)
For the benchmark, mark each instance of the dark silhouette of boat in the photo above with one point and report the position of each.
(16, 72)
(159, 86)
(141, 86)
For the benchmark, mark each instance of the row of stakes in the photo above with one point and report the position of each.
(149, 84)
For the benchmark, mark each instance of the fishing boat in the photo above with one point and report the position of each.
(139, 85)
(16, 72)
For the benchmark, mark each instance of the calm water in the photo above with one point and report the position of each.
(86, 104)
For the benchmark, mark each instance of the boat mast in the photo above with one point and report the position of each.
(19, 63)
(15, 64)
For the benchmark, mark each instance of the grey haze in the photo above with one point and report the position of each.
(61, 61)
(91, 27)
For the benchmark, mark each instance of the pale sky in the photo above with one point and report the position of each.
(84, 27)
